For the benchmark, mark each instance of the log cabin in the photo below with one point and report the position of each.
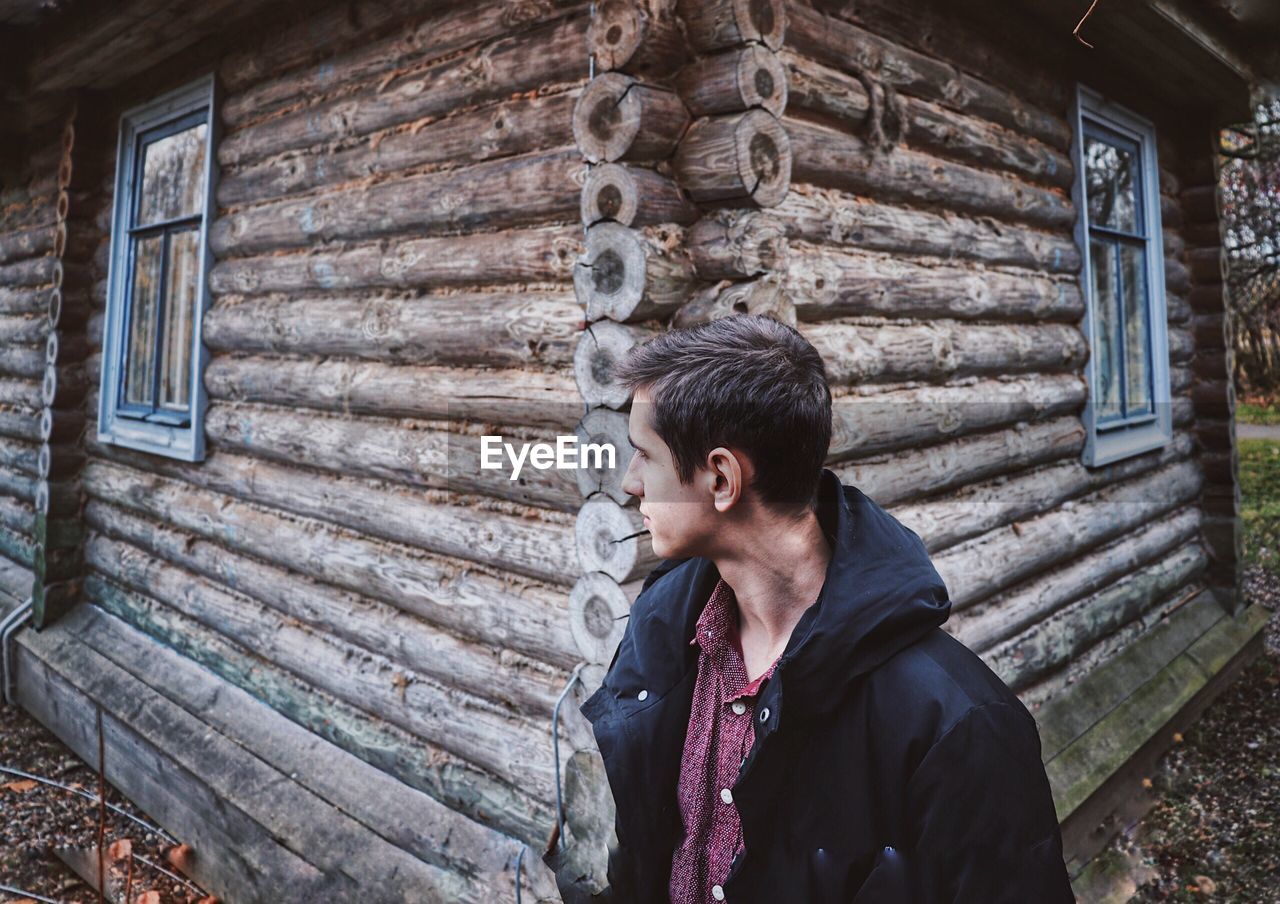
(269, 271)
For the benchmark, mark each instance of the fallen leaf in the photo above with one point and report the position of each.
(148, 897)
(21, 785)
(180, 857)
(120, 850)
(1206, 885)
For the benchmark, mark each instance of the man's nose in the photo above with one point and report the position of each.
(631, 485)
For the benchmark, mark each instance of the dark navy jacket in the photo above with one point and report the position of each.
(889, 763)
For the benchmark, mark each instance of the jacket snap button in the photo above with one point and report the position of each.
(642, 696)
(764, 714)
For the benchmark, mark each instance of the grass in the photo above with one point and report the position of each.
(1258, 412)
(1260, 494)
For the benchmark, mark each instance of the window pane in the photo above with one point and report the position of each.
(173, 176)
(142, 320)
(1110, 173)
(1102, 263)
(179, 304)
(1137, 330)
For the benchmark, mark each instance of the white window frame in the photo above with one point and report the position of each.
(185, 442)
(1104, 444)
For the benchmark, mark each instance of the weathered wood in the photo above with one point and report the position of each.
(19, 456)
(493, 72)
(618, 118)
(1017, 495)
(738, 79)
(57, 498)
(1006, 614)
(603, 426)
(713, 24)
(493, 195)
(827, 282)
(399, 813)
(22, 330)
(831, 159)
(912, 473)
(736, 244)
(534, 543)
(764, 295)
(885, 352)
(637, 36)
(544, 254)
(842, 45)
(31, 272)
(467, 602)
(427, 36)
(417, 453)
(518, 397)
(19, 425)
(613, 540)
(906, 418)
(62, 348)
(27, 243)
(355, 620)
(19, 361)
(485, 329)
(68, 310)
(735, 160)
(505, 129)
(597, 610)
(601, 348)
(839, 100)
(16, 300)
(632, 274)
(466, 726)
(1048, 645)
(633, 196)
(21, 393)
(987, 564)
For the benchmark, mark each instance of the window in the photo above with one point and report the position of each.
(152, 390)
(1117, 192)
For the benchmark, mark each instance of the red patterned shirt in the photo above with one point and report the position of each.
(719, 737)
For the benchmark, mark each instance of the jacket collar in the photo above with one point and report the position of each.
(880, 595)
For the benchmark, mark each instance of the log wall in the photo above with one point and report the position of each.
(927, 250)
(434, 224)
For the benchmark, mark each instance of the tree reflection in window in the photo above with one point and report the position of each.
(169, 185)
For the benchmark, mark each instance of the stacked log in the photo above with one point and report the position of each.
(1212, 376)
(684, 133)
(59, 526)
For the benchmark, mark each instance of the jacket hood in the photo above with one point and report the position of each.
(881, 594)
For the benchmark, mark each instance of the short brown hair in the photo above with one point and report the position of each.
(746, 382)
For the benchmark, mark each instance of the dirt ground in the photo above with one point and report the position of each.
(36, 818)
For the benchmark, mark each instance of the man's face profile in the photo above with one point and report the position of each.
(679, 517)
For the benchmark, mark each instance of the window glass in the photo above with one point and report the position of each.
(179, 304)
(173, 176)
(1106, 296)
(139, 361)
(1110, 180)
(1133, 277)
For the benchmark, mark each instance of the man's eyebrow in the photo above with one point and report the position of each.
(634, 445)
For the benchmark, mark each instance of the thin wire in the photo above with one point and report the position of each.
(519, 858)
(174, 876)
(555, 748)
(9, 889)
(89, 797)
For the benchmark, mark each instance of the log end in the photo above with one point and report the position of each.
(606, 118)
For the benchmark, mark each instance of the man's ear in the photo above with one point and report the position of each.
(728, 477)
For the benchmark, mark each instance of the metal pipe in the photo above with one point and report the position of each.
(12, 622)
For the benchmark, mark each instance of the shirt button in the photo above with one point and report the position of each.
(739, 707)
(726, 795)
(642, 696)
(717, 892)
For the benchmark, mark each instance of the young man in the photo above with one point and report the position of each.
(784, 719)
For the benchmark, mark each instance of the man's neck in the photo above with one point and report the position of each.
(776, 571)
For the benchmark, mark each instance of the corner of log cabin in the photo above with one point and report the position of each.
(433, 223)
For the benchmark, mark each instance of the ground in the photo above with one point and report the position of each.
(36, 818)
